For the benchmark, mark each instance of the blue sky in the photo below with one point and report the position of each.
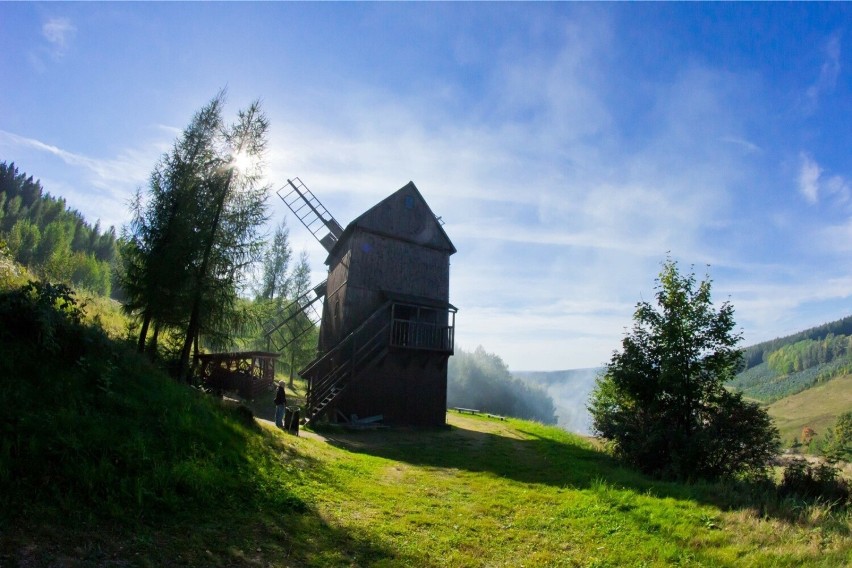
(568, 147)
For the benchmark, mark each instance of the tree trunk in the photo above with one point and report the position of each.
(143, 333)
(152, 345)
(194, 318)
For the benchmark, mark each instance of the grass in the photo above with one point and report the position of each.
(479, 493)
(817, 407)
(104, 461)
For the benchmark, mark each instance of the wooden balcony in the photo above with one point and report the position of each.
(424, 328)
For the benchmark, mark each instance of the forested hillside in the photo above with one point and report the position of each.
(52, 239)
(785, 366)
(756, 354)
(482, 380)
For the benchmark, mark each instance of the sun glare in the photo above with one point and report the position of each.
(243, 161)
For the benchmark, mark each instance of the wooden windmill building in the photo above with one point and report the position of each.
(387, 327)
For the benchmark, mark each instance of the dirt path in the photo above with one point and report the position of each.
(467, 427)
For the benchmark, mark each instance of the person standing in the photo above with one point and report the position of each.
(280, 403)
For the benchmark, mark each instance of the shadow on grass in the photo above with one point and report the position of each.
(263, 521)
(559, 461)
(223, 537)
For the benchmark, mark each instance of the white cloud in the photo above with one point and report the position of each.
(838, 238)
(560, 227)
(130, 165)
(58, 32)
(750, 147)
(809, 174)
(100, 188)
(828, 74)
(815, 186)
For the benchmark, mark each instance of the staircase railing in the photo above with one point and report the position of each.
(331, 373)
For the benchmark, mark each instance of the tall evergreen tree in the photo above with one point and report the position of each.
(196, 231)
(233, 209)
(162, 237)
(276, 281)
(47, 236)
(301, 350)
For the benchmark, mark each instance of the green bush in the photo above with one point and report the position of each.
(661, 403)
(820, 482)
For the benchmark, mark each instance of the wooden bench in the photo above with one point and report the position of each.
(466, 410)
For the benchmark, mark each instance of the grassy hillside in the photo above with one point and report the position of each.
(104, 461)
(481, 493)
(817, 408)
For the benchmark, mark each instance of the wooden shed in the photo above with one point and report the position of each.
(247, 373)
(387, 327)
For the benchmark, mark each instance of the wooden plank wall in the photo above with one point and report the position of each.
(334, 305)
(413, 221)
(399, 266)
(404, 389)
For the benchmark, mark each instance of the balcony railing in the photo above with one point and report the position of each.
(424, 328)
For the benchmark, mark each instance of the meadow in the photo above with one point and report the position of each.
(106, 461)
(817, 408)
(482, 492)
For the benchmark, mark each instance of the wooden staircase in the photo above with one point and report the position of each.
(331, 373)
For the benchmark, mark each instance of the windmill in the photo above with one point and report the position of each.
(294, 320)
(386, 326)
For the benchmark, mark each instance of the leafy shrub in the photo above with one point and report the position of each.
(662, 404)
(821, 482)
(42, 316)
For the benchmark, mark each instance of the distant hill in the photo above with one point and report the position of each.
(51, 239)
(804, 378)
(817, 408)
(788, 365)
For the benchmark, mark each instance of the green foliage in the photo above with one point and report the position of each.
(767, 385)
(837, 442)
(277, 279)
(662, 403)
(90, 430)
(194, 236)
(55, 242)
(809, 353)
(815, 482)
(482, 380)
(757, 354)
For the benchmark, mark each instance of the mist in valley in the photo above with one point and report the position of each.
(570, 390)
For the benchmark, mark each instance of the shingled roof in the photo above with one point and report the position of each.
(403, 215)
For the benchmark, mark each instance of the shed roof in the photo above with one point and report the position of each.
(403, 215)
(232, 355)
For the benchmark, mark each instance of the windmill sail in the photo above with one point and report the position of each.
(313, 214)
(295, 319)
